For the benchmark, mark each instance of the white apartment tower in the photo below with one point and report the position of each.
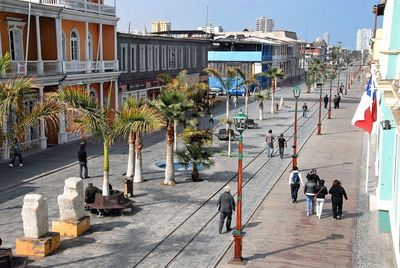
(362, 39)
(325, 36)
(160, 26)
(264, 24)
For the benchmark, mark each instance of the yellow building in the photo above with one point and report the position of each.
(160, 26)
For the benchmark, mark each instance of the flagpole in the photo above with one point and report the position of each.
(367, 172)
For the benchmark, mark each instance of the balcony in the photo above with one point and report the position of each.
(53, 67)
(81, 5)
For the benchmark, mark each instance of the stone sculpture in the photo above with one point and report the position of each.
(35, 216)
(72, 202)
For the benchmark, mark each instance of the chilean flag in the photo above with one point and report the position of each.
(365, 114)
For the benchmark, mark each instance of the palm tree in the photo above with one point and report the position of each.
(309, 79)
(229, 123)
(14, 117)
(227, 83)
(260, 97)
(90, 120)
(252, 81)
(136, 118)
(196, 155)
(197, 151)
(273, 74)
(172, 105)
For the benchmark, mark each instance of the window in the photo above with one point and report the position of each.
(90, 46)
(171, 57)
(64, 46)
(164, 57)
(156, 57)
(142, 58)
(181, 58)
(133, 58)
(124, 57)
(16, 45)
(188, 56)
(194, 55)
(150, 57)
(74, 45)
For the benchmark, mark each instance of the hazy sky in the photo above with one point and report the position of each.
(309, 18)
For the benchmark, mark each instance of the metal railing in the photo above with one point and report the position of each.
(75, 66)
(81, 5)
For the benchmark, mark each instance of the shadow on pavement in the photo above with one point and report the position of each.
(264, 255)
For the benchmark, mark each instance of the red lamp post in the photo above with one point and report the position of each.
(296, 94)
(240, 121)
(319, 84)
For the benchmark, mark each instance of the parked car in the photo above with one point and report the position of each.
(216, 91)
(223, 134)
(251, 123)
(241, 91)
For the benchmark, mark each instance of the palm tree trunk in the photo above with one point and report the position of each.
(246, 103)
(175, 136)
(229, 141)
(106, 168)
(195, 173)
(169, 164)
(138, 161)
(261, 111)
(227, 110)
(131, 155)
(273, 95)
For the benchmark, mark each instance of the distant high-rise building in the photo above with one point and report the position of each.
(160, 26)
(211, 29)
(325, 36)
(362, 39)
(264, 24)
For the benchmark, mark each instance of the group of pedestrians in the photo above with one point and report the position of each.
(282, 144)
(315, 192)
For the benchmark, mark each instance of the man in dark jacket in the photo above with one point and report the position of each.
(313, 175)
(90, 193)
(226, 204)
(326, 100)
(16, 152)
(82, 158)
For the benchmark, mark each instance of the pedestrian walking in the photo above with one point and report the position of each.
(235, 101)
(309, 191)
(337, 193)
(211, 119)
(269, 139)
(282, 144)
(341, 88)
(305, 109)
(335, 102)
(294, 183)
(338, 100)
(82, 158)
(226, 204)
(16, 152)
(312, 174)
(326, 100)
(320, 197)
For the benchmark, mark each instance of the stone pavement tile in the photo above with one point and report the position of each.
(290, 237)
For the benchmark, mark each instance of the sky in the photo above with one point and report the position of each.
(308, 18)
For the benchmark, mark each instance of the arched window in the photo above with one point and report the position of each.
(16, 44)
(90, 45)
(74, 44)
(64, 46)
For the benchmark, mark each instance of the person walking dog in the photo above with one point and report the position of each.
(226, 204)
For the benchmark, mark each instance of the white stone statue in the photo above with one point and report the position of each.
(35, 216)
(72, 201)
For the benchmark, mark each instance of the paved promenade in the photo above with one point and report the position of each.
(177, 226)
(280, 234)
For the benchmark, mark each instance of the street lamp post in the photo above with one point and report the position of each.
(319, 84)
(240, 121)
(330, 100)
(296, 94)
